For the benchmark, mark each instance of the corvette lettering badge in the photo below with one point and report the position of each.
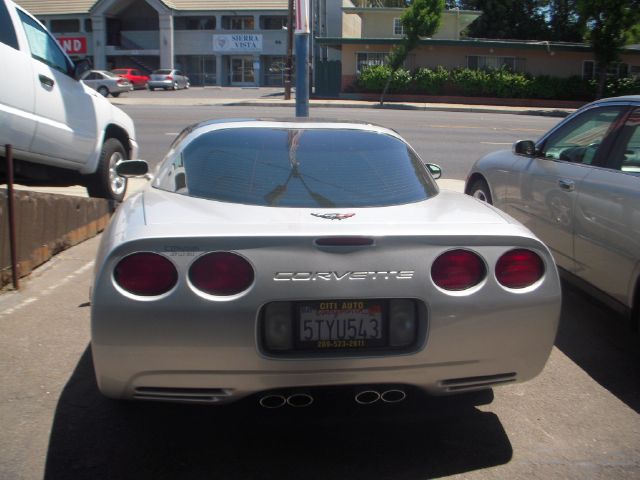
(333, 216)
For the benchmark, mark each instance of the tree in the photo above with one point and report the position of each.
(608, 22)
(565, 24)
(509, 19)
(420, 19)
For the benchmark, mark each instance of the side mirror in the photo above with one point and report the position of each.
(81, 67)
(434, 170)
(132, 168)
(524, 147)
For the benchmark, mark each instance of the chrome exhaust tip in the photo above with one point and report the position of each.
(299, 400)
(367, 397)
(272, 401)
(393, 396)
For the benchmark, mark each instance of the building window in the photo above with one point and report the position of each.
(615, 70)
(482, 62)
(88, 26)
(370, 59)
(273, 22)
(194, 23)
(237, 23)
(65, 26)
(398, 28)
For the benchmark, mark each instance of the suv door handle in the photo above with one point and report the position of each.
(567, 185)
(46, 81)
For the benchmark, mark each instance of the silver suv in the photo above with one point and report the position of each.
(61, 131)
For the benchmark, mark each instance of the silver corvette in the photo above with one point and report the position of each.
(275, 258)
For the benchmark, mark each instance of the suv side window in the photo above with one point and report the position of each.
(7, 32)
(43, 46)
(579, 140)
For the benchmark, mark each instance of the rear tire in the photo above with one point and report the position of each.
(115, 94)
(104, 91)
(105, 182)
(480, 190)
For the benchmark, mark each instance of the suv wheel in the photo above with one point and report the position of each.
(106, 183)
(104, 91)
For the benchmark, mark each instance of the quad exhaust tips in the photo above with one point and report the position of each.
(297, 400)
(301, 400)
(369, 397)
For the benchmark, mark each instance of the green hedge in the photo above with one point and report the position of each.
(488, 83)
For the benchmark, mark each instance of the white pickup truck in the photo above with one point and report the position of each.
(61, 131)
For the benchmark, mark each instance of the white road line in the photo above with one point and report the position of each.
(171, 133)
(49, 290)
(496, 143)
(20, 306)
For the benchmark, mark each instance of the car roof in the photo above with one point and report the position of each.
(623, 99)
(291, 123)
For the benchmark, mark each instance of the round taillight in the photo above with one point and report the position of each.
(221, 273)
(519, 268)
(147, 274)
(458, 270)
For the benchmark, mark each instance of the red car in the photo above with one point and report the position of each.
(137, 78)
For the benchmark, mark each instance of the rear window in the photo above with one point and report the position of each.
(302, 168)
(162, 72)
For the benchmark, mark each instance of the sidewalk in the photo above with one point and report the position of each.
(270, 101)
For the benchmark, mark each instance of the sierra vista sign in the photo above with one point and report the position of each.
(237, 42)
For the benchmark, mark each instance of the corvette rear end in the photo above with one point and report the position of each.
(204, 300)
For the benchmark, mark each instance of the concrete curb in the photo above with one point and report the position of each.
(316, 103)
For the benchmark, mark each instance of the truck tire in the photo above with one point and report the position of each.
(105, 182)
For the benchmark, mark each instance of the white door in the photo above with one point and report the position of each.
(66, 126)
(17, 98)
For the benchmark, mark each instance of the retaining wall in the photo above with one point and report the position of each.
(46, 224)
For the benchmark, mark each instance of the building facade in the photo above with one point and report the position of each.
(214, 42)
(370, 30)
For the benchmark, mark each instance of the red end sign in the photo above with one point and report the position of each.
(73, 45)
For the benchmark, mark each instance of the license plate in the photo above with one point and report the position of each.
(341, 324)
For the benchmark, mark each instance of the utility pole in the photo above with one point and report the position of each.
(302, 58)
(289, 61)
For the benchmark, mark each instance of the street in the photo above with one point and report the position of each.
(578, 419)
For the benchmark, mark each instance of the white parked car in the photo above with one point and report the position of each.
(60, 129)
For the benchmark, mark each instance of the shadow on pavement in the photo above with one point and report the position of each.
(600, 342)
(94, 438)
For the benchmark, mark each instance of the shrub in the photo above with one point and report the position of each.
(489, 83)
(472, 83)
(430, 82)
(622, 86)
(374, 78)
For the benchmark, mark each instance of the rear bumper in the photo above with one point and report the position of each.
(161, 83)
(461, 353)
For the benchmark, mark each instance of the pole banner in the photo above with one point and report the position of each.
(302, 16)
